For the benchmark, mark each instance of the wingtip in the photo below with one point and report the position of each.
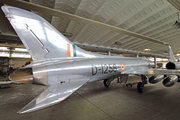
(23, 111)
(20, 112)
(29, 107)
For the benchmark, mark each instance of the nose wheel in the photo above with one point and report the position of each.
(107, 82)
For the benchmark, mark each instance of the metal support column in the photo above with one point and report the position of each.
(109, 53)
(10, 52)
(155, 62)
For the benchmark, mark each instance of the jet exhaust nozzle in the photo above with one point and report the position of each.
(173, 65)
(156, 79)
(170, 81)
(22, 76)
(170, 65)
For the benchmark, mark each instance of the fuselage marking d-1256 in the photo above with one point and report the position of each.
(104, 69)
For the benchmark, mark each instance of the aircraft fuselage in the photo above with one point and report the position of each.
(91, 68)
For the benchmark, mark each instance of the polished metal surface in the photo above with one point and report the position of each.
(62, 66)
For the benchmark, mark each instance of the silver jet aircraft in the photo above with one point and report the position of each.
(64, 67)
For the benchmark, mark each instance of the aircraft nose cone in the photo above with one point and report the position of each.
(22, 76)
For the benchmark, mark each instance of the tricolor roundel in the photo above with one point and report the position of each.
(71, 50)
(122, 67)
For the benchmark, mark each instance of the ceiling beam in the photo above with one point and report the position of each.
(100, 49)
(58, 13)
(121, 51)
(26, 52)
(175, 3)
(12, 45)
(4, 40)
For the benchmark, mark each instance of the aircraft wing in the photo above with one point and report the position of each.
(52, 95)
(152, 72)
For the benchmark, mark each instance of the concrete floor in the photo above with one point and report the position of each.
(95, 102)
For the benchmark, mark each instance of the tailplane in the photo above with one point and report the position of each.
(40, 38)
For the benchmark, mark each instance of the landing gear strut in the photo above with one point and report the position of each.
(140, 85)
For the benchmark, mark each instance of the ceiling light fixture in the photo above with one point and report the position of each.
(147, 49)
(178, 54)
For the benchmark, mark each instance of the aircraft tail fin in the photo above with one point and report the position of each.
(40, 38)
(172, 58)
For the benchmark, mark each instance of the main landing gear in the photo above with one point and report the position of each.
(140, 85)
(131, 84)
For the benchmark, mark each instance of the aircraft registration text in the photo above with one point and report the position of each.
(104, 69)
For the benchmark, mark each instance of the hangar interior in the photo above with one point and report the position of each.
(136, 28)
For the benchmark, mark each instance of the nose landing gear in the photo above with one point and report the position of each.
(107, 82)
(140, 85)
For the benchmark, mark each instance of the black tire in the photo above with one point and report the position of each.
(140, 87)
(107, 83)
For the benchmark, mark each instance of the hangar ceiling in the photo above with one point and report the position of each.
(152, 18)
